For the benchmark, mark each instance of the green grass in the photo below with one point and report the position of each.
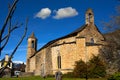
(39, 78)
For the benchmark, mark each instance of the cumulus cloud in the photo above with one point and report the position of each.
(43, 13)
(18, 62)
(65, 12)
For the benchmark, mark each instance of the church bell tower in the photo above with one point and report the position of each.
(89, 17)
(31, 49)
(32, 45)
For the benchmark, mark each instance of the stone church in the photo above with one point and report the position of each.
(62, 53)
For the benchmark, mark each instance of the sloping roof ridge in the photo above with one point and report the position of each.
(68, 35)
(100, 31)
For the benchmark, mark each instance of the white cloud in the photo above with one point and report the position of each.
(65, 12)
(43, 13)
(18, 62)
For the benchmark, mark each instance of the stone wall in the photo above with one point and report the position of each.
(54, 58)
(48, 61)
(32, 64)
(81, 48)
(40, 62)
(69, 54)
(92, 51)
(89, 32)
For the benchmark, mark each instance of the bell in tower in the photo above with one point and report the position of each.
(89, 17)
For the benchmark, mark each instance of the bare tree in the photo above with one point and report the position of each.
(110, 52)
(4, 38)
(114, 23)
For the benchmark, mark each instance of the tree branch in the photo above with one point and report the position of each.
(15, 48)
(20, 40)
(15, 27)
(9, 16)
(11, 11)
(1, 48)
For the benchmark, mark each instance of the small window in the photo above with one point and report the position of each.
(89, 16)
(92, 41)
(33, 45)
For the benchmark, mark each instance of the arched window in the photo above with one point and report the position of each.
(33, 45)
(59, 62)
(89, 17)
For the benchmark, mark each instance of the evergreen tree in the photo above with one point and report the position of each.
(80, 69)
(95, 68)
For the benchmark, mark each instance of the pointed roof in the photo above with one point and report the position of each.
(89, 9)
(32, 35)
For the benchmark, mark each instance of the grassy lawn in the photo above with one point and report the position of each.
(39, 78)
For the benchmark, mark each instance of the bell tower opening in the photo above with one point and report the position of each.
(33, 44)
(89, 17)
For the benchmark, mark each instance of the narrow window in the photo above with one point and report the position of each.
(89, 17)
(59, 62)
(33, 44)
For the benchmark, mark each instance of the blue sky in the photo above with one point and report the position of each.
(51, 19)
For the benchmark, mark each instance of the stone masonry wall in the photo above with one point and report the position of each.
(91, 32)
(48, 61)
(92, 50)
(32, 64)
(40, 62)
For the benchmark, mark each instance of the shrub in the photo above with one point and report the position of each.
(95, 68)
(80, 69)
(115, 76)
